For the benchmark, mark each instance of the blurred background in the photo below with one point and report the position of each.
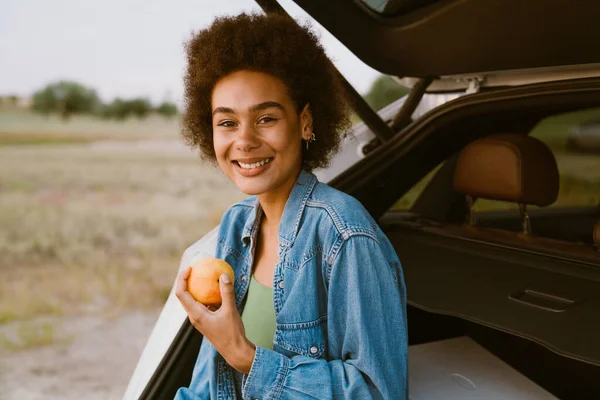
(99, 197)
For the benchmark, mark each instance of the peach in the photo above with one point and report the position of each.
(203, 282)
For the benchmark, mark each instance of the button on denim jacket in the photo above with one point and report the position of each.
(340, 304)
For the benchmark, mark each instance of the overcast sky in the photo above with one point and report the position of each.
(122, 48)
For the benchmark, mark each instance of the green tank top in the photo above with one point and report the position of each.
(259, 314)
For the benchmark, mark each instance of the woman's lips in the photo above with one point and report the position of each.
(250, 172)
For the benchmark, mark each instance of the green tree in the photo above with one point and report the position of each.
(139, 107)
(122, 109)
(384, 91)
(117, 109)
(166, 109)
(65, 98)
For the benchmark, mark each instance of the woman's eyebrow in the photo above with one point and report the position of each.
(254, 108)
(265, 105)
(224, 110)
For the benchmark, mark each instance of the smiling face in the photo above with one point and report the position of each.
(257, 132)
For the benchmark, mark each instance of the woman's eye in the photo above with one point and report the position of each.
(266, 120)
(226, 124)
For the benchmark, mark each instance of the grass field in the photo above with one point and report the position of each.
(98, 226)
(22, 127)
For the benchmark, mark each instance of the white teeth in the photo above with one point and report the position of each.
(254, 165)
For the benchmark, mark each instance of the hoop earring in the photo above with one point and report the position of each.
(311, 139)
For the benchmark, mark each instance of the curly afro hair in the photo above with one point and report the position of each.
(273, 44)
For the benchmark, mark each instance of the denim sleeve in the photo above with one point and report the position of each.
(366, 330)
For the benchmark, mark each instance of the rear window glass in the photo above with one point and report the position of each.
(574, 139)
(408, 200)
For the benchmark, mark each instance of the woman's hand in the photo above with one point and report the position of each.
(223, 327)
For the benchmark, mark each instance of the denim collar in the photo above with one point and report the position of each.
(292, 213)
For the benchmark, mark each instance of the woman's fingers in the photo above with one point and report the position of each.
(220, 324)
(193, 308)
(181, 287)
(181, 281)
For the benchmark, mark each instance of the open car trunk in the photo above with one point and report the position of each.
(535, 308)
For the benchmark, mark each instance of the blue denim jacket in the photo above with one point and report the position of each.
(340, 304)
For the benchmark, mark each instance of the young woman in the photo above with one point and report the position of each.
(318, 307)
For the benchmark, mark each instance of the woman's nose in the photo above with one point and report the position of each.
(246, 139)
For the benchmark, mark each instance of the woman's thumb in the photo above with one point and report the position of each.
(227, 294)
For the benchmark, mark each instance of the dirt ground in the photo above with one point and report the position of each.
(95, 364)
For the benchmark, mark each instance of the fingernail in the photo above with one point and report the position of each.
(225, 278)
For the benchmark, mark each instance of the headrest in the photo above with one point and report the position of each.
(597, 234)
(508, 167)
